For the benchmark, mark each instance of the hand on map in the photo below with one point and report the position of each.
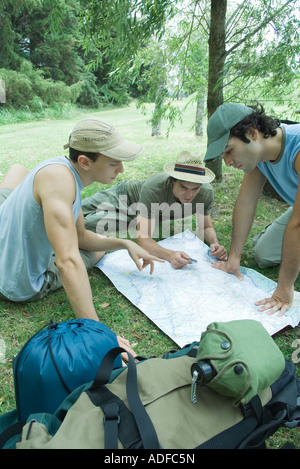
(218, 251)
(229, 267)
(179, 259)
(280, 302)
(136, 253)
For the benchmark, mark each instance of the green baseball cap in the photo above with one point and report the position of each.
(219, 125)
(96, 136)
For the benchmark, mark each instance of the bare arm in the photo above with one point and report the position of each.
(282, 297)
(90, 241)
(243, 216)
(145, 228)
(56, 200)
(66, 237)
(210, 237)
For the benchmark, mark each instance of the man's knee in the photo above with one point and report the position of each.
(262, 260)
(268, 243)
(16, 173)
(264, 256)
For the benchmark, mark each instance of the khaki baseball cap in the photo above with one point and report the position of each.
(96, 136)
(219, 125)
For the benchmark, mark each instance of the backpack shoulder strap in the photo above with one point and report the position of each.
(142, 419)
(11, 431)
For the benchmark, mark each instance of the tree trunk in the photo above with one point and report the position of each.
(156, 129)
(216, 44)
(200, 115)
(156, 116)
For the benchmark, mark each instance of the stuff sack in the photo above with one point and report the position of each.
(149, 405)
(58, 359)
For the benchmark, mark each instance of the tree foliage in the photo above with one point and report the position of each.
(253, 65)
(266, 50)
(48, 36)
(156, 50)
(28, 88)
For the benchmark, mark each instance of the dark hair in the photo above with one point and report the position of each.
(73, 154)
(258, 120)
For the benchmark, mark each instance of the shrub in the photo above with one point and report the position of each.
(89, 94)
(28, 88)
(19, 92)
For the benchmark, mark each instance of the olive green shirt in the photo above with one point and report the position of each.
(155, 196)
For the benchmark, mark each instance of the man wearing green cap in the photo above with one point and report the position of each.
(40, 215)
(264, 149)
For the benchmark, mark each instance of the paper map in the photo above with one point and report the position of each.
(183, 302)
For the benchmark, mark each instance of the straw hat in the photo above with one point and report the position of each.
(189, 167)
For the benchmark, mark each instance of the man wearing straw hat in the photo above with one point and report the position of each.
(183, 189)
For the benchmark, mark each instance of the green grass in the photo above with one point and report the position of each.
(31, 142)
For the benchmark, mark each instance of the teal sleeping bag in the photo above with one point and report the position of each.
(58, 359)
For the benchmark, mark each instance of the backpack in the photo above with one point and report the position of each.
(151, 404)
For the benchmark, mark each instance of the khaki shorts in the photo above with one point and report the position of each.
(52, 276)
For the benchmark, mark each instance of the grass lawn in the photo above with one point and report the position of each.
(30, 143)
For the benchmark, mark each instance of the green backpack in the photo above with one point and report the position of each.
(230, 390)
